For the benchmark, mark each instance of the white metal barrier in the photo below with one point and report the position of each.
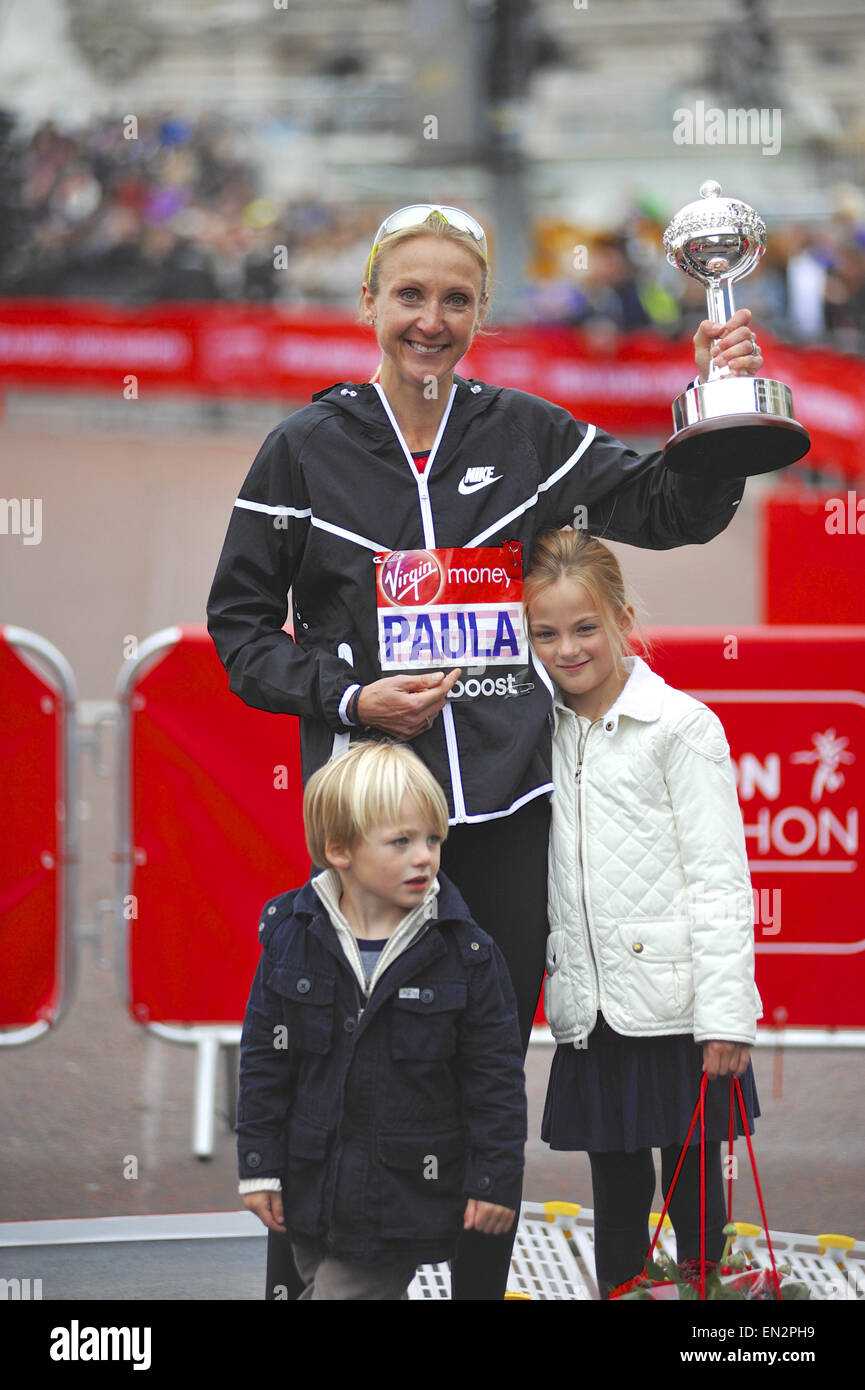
(554, 1257)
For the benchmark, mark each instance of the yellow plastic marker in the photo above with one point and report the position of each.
(747, 1230)
(554, 1209)
(654, 1218)
(834, 1242)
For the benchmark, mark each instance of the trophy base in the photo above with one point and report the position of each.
(739, 446)
(735, 427)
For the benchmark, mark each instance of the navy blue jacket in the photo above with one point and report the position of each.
(381, 1115)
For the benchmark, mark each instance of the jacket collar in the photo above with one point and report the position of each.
(361, 400)
(327, 886)
(642, 698)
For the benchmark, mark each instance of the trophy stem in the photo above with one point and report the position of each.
(719, 298)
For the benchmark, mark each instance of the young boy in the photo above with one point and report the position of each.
(382, 1097)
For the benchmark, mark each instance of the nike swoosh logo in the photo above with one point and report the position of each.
(466, 488)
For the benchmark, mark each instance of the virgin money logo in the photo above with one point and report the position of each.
(411, 577)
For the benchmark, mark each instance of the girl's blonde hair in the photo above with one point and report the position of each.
(364, 787)
(577, 556)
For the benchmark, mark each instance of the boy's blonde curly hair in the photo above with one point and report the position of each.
(363, 787)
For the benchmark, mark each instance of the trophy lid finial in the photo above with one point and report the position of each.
(710, 189)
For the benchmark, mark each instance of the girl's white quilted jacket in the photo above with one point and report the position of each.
(651, 914)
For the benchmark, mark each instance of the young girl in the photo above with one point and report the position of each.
(650, 957)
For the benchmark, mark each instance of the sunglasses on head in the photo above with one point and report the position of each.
(418, 215)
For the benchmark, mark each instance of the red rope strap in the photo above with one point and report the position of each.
(734, 1082)
(731, 1139)
(700, 1111)
(703, 1084)
(702, 1105)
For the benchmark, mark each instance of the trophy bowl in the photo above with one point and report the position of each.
(730, 426)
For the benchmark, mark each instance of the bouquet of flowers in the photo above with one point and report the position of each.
(732, 1277)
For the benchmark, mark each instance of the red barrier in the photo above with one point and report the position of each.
(813, 556)
(258, 350)
(36, 896)
(215, 831)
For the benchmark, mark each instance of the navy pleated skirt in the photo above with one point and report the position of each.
(619, 1094)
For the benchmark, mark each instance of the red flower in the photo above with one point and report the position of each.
(638, 1282)
(689, 1270)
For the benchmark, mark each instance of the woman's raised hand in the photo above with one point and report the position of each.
(405, 706)
(736, 346)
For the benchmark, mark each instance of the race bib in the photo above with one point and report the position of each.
(456, 607)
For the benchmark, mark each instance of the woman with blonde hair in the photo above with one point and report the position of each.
(417, 460)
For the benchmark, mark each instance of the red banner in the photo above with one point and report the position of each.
(792, 701)
(247, 350)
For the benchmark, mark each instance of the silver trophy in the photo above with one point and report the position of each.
(729, 426)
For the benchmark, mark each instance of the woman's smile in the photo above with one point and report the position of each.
(425, 347)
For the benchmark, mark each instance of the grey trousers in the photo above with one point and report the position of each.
(327, 1278)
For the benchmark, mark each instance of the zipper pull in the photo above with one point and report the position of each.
(357, 1000)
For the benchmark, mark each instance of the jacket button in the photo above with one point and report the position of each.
(638, 946)
(427, 996)
(253, 1160)
(609, 726)
(270, 911)
(350, 1025)
(303, 986)
(483, 1183)
(475, 946)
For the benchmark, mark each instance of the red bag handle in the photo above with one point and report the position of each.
(700, 1111)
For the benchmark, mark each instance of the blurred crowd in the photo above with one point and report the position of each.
(137, 210)
(169, 209)
(809, 288)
